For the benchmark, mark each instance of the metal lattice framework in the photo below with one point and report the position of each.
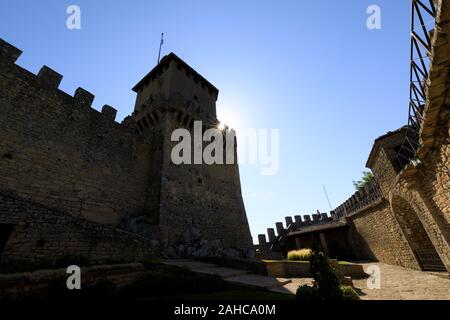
(423, 14)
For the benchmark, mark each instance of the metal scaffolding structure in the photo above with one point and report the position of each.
(423, 15)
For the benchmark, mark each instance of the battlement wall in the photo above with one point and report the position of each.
(295, 223)
(58, 151)
(368, 195)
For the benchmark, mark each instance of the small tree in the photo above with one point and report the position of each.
(326, 282)
(367, 178)
(327, 286)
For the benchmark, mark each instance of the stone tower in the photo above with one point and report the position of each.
(190, 202)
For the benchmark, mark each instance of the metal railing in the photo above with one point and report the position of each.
(423, 15)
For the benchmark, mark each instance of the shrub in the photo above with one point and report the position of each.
(299, 255)
(349, 293)
(366, 179)
(325, 279)
(327, 286)
(307, 293)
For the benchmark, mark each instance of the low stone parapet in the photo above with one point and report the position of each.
(39, 284)
(300, 269)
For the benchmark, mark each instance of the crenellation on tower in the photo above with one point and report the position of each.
(9, 52)
(83, 97)
(109, 112)
(280, 228)
(289, 221)
(298, 220)
(50, 77)
(271, 234)
(175, 83)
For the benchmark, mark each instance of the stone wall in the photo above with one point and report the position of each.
(204, 199)
(37, 235)
(43, 284)
(372, 235)
(436, 170)
(56, 150)
(435, 134)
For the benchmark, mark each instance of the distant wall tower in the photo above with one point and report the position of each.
(188, 198)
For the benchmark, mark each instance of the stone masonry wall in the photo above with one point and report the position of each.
(376, 235)
(436, 177)
(39, 234)
(56, 150)
(435, 134)
(204, 197)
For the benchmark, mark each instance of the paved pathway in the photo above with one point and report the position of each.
(235, 276)
(397, 283)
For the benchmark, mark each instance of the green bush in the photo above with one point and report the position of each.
(349, 293)
(299, 255)
(307, 293)
(325, 279)
(327, 286)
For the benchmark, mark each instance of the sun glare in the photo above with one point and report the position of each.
(231, 117)
(221, 126)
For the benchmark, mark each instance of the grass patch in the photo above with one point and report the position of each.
(278, 261)
(299, 255)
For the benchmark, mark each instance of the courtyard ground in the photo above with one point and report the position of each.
(397, 283)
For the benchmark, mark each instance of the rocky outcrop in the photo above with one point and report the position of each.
(192, 244)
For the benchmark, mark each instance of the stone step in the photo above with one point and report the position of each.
(291, 288)
(258, 281)
(234, 276)
(191, 264)
(224, 273)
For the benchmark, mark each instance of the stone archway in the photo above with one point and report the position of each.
(416, 235)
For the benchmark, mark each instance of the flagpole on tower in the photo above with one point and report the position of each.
(160, 45)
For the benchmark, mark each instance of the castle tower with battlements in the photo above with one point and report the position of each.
(192, 198)
(61, 158)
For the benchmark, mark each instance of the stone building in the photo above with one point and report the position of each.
(73, 180)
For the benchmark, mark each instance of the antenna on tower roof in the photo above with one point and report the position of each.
(160, 45)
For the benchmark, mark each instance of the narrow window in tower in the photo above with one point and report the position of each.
(200, 180)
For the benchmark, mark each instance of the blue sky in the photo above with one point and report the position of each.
(309, 68)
